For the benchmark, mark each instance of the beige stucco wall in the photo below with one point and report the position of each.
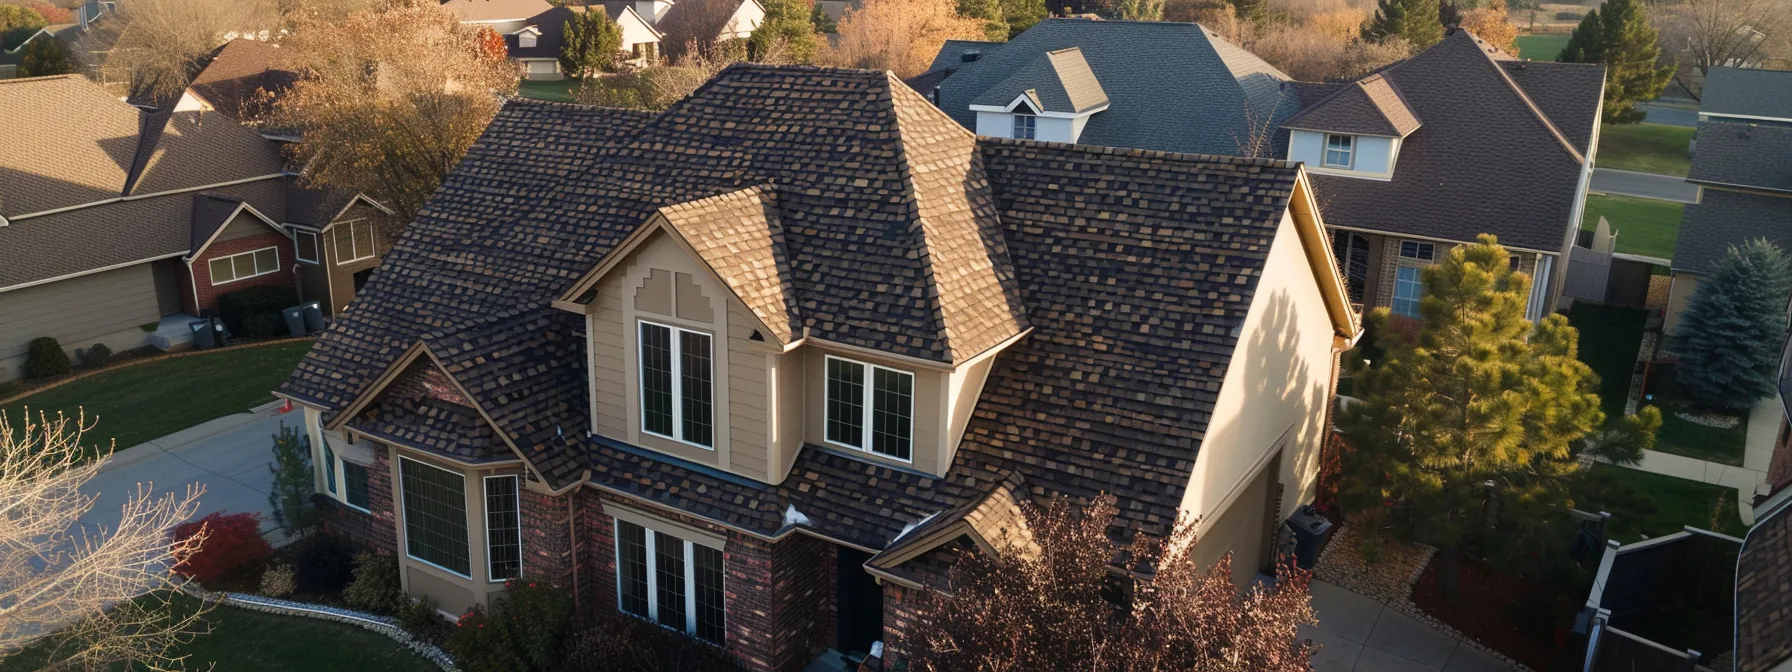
(104, 307)
(1274, 395)
(1679, 297)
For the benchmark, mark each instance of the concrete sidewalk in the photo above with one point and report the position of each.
(1757, 453)
(1358, 634)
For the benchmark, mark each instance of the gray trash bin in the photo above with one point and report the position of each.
(295, 321)
(202, 335)
(314, 317)
(1309, 529)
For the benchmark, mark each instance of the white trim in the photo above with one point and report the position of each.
(869, 413)
(650, 539)
(101, 269)
(516, 493)
(138, 197)
(1326, 150)
(677, 347)
(251, 254)
(1727, 186)
(317, 247)
(407, 516)
(354, 244)
(1038, 112)
(1419, 236)
(1703, 115)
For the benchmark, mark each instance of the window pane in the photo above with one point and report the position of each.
(631, 566)
(504, 544)
(307, 246)
(363, 239)
(656, 379)
(668, 567)
(711, 622)
(345, 241)
(693, 350)
(846, 402)
(892, 402)
(222, 271)
(245, 265)
(1407, 290)
(267, 261)
(354, 480)
(329, 468)
(435, 516)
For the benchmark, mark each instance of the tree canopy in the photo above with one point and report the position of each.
(592, 44)
(1730, 335)
(1618, 35)
(790, 22)
(47, 56)
(1415, 21)
(898, 35)
(18, 23)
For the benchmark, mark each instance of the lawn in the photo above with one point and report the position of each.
(560, 90)
(138, 403)
(1645, 148)
(1541, 47)
(241, 639)
(1652, 505)
(1609, 339)
(1684, 437)
(1644, 226)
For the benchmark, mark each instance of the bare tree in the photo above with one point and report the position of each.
(657, 87)
(696, 25)
(162, 44)
(1704, 34)
(898, 35)
(91, 598)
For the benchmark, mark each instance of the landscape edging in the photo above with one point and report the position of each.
(384, 625)
(145, 360)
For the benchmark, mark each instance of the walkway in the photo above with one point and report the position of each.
(1757, 452)
(1642, 185)
(1358, 634)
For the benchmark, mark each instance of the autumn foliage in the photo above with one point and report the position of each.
(232, 541)
(898, 35)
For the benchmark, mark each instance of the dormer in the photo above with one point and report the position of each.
(528, 37)
(1355, 132)
(1051, 99)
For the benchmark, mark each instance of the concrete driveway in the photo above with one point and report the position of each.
(229, 456)
(1358, 634)
(1642, 185)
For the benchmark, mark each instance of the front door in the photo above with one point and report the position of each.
(861, 605)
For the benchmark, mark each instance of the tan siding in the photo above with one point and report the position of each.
(244, 226)
(967, 386)
(607, 362)
(748, 447)
(929, 427)
(77, 312)
(791, 409)
(693, 303)
(655, 295)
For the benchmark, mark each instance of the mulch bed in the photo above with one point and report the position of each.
(1513, 615)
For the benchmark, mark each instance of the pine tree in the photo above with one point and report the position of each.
(1729, 337)
(1140, 10)
(789, 22)
(823, 23)
(995, 29)
(1416, 21)
(1586, 43)
(592, 44)
(290, 500)
(1449, 14)
(1022, 14)
(1477, 395)
(1621, 38)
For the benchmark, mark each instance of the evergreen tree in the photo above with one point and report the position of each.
(1478, 394)
(1449, 14)
(47, 56)
(1140, 10)
(1729, 337)
(1586, 43)
(1619, 36)
(592, 44)
(290, 499)
(823, 23)
(995, 29)
(1250, 10)
(1414, 20)
(789, 22)
(1022, 14)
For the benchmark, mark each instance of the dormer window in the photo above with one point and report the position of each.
(870, 408)
(677, 384)
(1339, 151)
(525, 40)
(1026, 126)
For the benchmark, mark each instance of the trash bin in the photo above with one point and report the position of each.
(202, 335)
(295, 321)
(1309, 529)
(314, 318)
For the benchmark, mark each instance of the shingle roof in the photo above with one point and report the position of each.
(1136, 270)
(211, 212)
(1058, 81)
(1764, 596)
(192, 149)
(1747, 91)
(952, 53)
(741, 237)
(242, 78)
(483, 11)
(66, 142)
(315, 206)
(1568, 93)
(1758, 156)
(1368, 106)
(1723, 218)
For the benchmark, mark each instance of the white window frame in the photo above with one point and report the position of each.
(1417, 282)
(335, 483)
(1031, 126)
(865, 424)
(653, 578)
(1348, 151)
(251, 254)
(517, 493)
(405, 531)
(317, 247)
(1429, 249)
(354, 242)
(677, 383)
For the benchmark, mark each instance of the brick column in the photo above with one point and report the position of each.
(376, 531)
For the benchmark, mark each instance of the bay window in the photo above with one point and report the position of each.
(435, 516)
(677, 395)
(503, 528)
(345, 481)
(870, 408)
(671, 581)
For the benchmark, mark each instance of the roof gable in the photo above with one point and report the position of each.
(212, 213)
(1059, 81)
(1368, 106)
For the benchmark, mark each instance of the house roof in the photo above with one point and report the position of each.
(211, 213)
(1748, 92)
(1173, 86)
(740, 235)
(242, 77)
(494, 11)
(1757, 156)
(1058, 81)
(1764, 595)
(1368, 106)
(91, 136)
(1450, 182)
(1135, 270)
(1724, 218)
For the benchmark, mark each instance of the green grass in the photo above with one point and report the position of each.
(1691, 439)
(1609, 339)
(560, 90)
(240, 639)
(138, 403)
(1541, 47)
(1644, 226)
(1646, 148)
(1645, 504)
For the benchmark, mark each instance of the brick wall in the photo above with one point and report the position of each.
(202, 271)
(547, 538)
(1382, 274)
(377, 531)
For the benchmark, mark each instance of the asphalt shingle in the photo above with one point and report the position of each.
(1751, 92)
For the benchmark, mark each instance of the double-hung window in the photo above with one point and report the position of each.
(435, 516)
(1339, 151)
(870, 407)
(671, 581)
(503, 528)
(677, 388)
(354, 240)
(245, 265)
(1407, 291)
(1026, 126)
(344, 480)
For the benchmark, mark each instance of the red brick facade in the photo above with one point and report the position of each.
(207, 293)
(377, 531)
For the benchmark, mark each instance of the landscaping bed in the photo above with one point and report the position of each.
(1646, 148)
(1682, 435)
(1516, 616)
(1645, 505)
(1644, 226)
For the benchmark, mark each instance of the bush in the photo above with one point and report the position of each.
(618, 643)
(376, 587)
(232, 544)
(277, 581)
(256, 310)
(322, 565)
(96, 356)
(525, 630)
(45, 358)
(422, 618)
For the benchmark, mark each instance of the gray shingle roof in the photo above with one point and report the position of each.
(1757, 156)
(1058, 81)
(1724, 218)
(1748, 91)
(1368, 106)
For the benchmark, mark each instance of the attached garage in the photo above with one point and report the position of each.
(1242, 529)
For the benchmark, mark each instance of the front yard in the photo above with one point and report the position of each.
(1645, 505)
(1541, 47)
(1645, 148)
(1644, 226)
(559, 91)
(137, 403)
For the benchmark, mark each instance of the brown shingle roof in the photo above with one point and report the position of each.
(66, 142)
(741, 238)
(483, 11)
(242, 78)
(1764, 596)
(1368, 106)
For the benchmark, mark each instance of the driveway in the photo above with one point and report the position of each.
(1358, 634)
(1642, 185)
(229, 456)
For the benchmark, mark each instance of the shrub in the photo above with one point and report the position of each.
(45, 358)
(238, 307)
(232, 543)
(96, 356)
(277, 581)
(525, 630)
(290, 498)
(618, 643)
(422, 618)
(376, 587)
(322, 565)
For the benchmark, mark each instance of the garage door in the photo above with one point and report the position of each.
(1240, 530)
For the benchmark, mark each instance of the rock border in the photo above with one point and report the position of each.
(384, 625)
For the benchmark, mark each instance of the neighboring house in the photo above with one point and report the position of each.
(695, 19)
(114, 217)
(241, 82)
(1459, 140)
(1740, 160)
(813, 341)
(12, 54)
(537, 46)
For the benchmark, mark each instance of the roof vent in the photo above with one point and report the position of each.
(756, 336)
(971, 56)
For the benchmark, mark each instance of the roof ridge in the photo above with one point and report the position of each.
(917, 223)
(1512, 84)
(23, 80)
(1142, 153)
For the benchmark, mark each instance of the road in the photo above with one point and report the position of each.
(1642, 185)
(1669, 115)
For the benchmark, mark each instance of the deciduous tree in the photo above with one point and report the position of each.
(1140, 10)
(1618, 35)
(1730, 335)
(1047, 610)
(1415, 21)
(657, 87)
(163, 44)
(1703, 34)
(593, 43)
(1491, 23)
(47, 56)
(18, 23)
(898, 35)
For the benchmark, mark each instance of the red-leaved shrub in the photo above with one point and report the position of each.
(232, 541)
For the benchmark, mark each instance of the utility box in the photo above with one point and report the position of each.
(1309, 529)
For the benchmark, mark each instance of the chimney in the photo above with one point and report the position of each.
(971, 56)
